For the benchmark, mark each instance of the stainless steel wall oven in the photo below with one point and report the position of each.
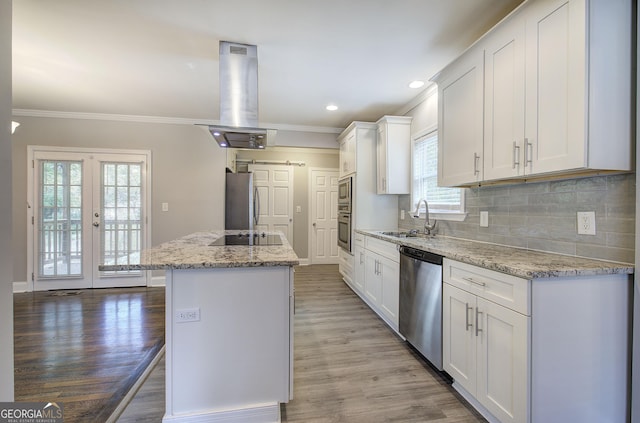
(344, 213)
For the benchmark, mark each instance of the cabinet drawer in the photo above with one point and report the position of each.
(384, 248)
(509, 291)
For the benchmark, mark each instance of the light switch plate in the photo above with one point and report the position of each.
(484, 219)
(165, 207)
(401, 214)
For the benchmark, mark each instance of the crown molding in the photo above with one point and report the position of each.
(431, 89)
(164, 120)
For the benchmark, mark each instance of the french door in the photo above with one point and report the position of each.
(87, 207)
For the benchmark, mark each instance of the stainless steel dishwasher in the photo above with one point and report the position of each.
(420, 317)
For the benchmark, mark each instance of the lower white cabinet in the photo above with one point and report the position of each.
(345, 265)
(486, 352)
(541, 350)
(377, 277)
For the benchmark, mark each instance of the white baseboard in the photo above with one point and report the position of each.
(264, 413)
(20, 287)
(158, 281)
(304, 262)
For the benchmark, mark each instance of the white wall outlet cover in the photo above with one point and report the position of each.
(586, 223)
(484, 219)
(187, 315)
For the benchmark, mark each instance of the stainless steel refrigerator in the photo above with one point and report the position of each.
(242, 207)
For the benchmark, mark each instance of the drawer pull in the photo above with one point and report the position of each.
(475, 282)
(469, 325)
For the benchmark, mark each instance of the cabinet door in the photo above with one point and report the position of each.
(460, 119)
(381, 165)
(504, 101)
(458, 336)
(555, 86)
(372, 279)
(502, 361)
(359, 269)
(390, 276)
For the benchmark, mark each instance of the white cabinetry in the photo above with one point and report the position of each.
(529, 351)
(347, 154)
(368, 209)
(359, 263)
(394, 155)
(485, 344)
(569, 113)
(460, 110)
(377, 277)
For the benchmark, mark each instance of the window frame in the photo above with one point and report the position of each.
(457, 215)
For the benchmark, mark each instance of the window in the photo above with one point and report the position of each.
(448, 202)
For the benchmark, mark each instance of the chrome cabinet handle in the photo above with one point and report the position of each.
(476, 158)
(516, 155)
(475, 282)
(466, 317)
(528, 152)
(478, 330)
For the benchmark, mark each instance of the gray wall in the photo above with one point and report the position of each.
(187, 172)
(6, 263)
(313, 157)
(542, 216)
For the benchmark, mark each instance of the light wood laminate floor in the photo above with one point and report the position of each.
(349, 366)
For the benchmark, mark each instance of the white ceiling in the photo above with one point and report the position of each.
(159, 58)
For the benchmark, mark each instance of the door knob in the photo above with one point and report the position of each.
(314, 224)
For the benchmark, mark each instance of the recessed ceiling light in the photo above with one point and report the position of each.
(332, 107)
(416, 84)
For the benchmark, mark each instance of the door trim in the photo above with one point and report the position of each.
(31, 152)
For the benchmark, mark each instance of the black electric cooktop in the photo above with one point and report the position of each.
(254, 238)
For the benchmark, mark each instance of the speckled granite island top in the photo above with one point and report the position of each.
(195, 252)
(519, 262)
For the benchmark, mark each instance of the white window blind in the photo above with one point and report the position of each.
(425, 178)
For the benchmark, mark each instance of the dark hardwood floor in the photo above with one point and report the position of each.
(349, 366)
(85, 348)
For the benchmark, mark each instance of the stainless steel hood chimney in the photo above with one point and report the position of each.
(239, 99)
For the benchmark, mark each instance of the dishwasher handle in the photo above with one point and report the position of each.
(421, 255)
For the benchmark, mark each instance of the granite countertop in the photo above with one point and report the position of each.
(194, 252)
(514, 261)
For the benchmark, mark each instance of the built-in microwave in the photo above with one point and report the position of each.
(344, 195)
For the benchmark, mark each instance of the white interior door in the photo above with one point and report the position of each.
(274, 188)
(323, 234)
(86, 208)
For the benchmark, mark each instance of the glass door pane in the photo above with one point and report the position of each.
(121, 211)
(60, 248)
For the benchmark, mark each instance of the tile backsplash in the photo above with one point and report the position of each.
(543, 216)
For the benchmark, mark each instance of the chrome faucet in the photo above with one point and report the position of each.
(428, 226)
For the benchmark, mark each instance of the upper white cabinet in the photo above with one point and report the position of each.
(557, 95)
(460, 111)
(347, 153)
(394, 155)
(504, 101)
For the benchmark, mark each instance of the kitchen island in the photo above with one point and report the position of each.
(229, 326)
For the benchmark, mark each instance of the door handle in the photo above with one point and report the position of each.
(516, 155)
(476, 158)
(314, 224)
(478, 330)
(96, 224)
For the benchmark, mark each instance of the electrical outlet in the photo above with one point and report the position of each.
(188, 315)
(586, 223)
(484, 219)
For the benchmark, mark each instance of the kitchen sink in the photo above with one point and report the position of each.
(406, 234)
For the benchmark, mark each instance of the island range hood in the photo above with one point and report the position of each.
(239, 99)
